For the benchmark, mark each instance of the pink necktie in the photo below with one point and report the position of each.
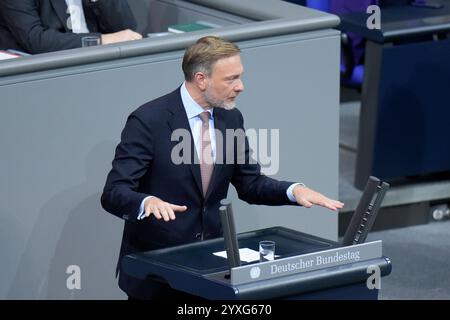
(206, 159)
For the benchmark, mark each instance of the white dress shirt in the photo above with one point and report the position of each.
(193, 110)
(77, 18)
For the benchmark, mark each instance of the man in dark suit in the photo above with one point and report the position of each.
(170, 195)
(38, 26)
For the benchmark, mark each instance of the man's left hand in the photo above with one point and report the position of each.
(307, 198)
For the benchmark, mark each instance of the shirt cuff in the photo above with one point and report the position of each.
(290, 191)
(141, 213)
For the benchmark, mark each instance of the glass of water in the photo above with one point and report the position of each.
(266, 250)
(90, 41)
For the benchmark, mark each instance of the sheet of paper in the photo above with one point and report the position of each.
(5, 55)
(246, 254)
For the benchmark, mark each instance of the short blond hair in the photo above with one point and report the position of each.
(202, 55)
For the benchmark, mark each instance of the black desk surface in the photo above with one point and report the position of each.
(399, 22)
(198, 258)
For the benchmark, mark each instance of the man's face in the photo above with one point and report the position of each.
(224, 84)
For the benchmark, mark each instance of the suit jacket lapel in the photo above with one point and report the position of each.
(61, 10)
(179, 120)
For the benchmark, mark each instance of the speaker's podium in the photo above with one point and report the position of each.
(305, 266)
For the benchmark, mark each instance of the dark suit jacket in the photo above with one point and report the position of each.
(143, 166)
(38, 26)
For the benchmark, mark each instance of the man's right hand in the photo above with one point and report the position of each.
(161, 209)
(124, 35)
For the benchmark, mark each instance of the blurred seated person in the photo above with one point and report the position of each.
(38, 26)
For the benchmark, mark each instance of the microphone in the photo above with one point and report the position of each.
(229, 233)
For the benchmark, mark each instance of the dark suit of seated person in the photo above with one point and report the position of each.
(39, 26)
